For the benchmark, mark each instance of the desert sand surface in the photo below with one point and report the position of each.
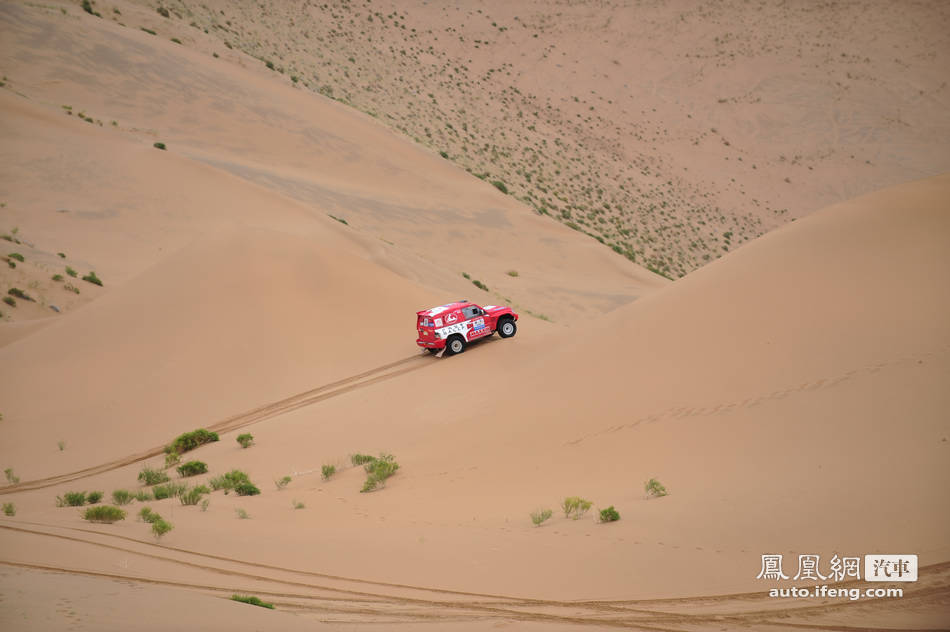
(260, 275)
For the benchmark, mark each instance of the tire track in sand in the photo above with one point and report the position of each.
(235, 422)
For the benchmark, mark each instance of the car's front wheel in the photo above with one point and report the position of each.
(455, 345)
(507, 328)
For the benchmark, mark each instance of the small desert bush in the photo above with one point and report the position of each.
(653, 487)
(254, 601)
(71, 272)
(609, 514)
(17, 292)
(328, 471)
(192, 468)
(104, 513)
(245, 439)
(17, 256)
(9, 509)
(282, 482)
(539, 516)
(229, 481)
(575, 505)
(71, 499)
(480, 285)
(172, 458)
(191, 497)
(9, 300)
(512, 273)
(161, 527)
(121, 497)
(498, 184)
(94, 497)
(377, 471)
(157, 145)
(168, 490)
(147, 515)
(361, 459)
(246, 488)
(298, 504)
(57, 277)
(144, 495)
(92, 278)
(12, 478)
(241, 514)
(152, 477)
(191, 440)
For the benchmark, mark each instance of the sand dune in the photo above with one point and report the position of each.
(791, 395)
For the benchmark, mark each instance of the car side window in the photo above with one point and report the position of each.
(469, 312)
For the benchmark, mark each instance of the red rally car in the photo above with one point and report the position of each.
(451, 327)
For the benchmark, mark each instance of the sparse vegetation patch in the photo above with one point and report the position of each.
(104, 513)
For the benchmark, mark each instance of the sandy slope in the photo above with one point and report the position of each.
(792, 395)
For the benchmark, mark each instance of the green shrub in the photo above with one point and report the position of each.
(467, 276)
(512, 273)
(71, 499)
(245, 439)
(653, 487)
(87, 7)
(121, 497)
(61, 255)
(158, 145)
(298, 505)
(92, 278)
(172, 458)
(191, 440)
(241, 514)
(12, 478)
(69, 287)
(190, 497)
(17, 256)
(93, 497)
(9, 509)
(71, 272)
(162, 11)
(204, 504)
(254, 601)
(147, 515)
(609, 514)
(575, 505)
(192, 468)
(282, 482)
(161, 527)
(104, 513)
(168, 490)
(246, 488)
(144, 495)
(480, 285)
(229, 481)
(328, 471)
(152, 477)
(9, 300)
(377, 471)
(17, 292)
(539, 516)
(498, 184)
(361, 459)
(176, 40)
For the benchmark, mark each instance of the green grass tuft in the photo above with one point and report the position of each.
(151, 476)
(104, 513)
(254, 601)
(540, 515)
(246, 440)
(191, 440)
(192, 468)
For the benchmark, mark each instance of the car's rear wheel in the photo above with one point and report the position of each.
(507, 328)
(455, 345)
